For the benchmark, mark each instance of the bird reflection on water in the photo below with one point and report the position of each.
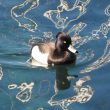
(63, 81)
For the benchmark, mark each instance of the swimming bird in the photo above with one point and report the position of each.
(54, 53)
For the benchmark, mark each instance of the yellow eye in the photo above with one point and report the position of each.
(63, 83)
(64, 42)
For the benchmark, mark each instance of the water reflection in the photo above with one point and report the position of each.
(81, 92)
(63, 81)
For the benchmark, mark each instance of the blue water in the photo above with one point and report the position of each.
(15, 51)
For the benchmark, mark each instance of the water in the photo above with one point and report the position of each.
(23, 87)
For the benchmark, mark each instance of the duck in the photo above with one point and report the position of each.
(54, 53)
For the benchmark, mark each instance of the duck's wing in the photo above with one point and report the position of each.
(47, 47)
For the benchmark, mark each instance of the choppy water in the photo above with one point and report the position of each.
(23, 87)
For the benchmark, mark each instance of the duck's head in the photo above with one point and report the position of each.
(63, 41)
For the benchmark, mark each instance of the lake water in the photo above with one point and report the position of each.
(23, 87)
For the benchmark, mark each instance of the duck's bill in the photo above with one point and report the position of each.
(73, 50)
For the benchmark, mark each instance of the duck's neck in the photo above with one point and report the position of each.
(59, 52)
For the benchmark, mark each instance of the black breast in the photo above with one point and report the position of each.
(65, 58)
(70, 58)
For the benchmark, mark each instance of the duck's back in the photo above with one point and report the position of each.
(46, 47)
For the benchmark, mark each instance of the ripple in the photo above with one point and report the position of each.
(1, 73)
(107, 10)
(77, 28)
(86, 56)
(19, 12)
(12, 86)
(105, 27)
(55, 16)
(83, 94)
(25, 91)
(40, 108)
(104, 59)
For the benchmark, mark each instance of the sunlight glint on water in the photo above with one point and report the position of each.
(83, 91)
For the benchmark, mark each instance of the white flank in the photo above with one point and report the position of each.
(39, 56)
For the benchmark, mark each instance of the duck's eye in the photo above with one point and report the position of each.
(64, 42)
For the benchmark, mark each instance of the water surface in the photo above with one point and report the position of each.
(23, 87)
